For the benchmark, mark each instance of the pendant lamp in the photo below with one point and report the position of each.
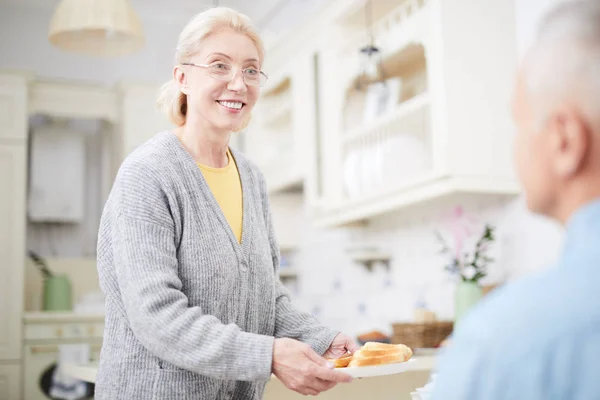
(104, 28)
(371, 68)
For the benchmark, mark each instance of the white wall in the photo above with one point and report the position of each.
(349, 297)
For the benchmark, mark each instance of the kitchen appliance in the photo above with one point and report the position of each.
(44, 332)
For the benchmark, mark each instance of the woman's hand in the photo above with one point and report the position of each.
(302, 370)
(341, 345)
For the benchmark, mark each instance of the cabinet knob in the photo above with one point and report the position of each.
(59, 332)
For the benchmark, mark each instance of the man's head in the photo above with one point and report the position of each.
(557, 111)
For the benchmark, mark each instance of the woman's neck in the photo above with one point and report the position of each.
(206, 146)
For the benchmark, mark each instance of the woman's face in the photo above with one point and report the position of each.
(221, 103)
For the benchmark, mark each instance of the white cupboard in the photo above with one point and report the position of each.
(12, 249)
(139, 119)
(440, 127)
(279, 133)
(13, 147)
(10, 381)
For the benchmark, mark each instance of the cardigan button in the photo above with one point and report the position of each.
(244, 266)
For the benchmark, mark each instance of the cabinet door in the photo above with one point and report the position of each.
(12, 248)
(141, 120)
(13, 108)
(13, 146)
(10, 381)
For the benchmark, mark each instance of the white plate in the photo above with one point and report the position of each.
(378, 370)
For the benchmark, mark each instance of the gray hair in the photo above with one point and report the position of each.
(564, 62)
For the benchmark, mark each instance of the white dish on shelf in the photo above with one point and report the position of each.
(378, 370)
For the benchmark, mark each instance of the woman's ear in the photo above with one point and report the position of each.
(181, 79)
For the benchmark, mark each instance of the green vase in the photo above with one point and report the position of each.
(467, 294)
(57, 294)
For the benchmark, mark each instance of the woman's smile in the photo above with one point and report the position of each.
(233, 106)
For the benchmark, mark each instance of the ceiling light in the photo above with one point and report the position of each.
(96, 27)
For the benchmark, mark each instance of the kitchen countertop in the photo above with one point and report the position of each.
(88, 372)
(85, 373)
(61, 316)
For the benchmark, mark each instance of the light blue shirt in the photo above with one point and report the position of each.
(537, 338)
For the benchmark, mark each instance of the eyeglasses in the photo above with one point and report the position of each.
(226, 72)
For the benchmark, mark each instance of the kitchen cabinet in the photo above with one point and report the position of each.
(128, 110)
(13, 147)
(43, 335)
(12, 248)
(129, 117)
(73, 100)
(10, 381)
(445, 129)
(279, 134)
(439, 129)
(139, 118)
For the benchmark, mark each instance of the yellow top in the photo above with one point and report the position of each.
(226, 186)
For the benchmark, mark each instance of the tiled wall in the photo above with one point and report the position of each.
(347, 296)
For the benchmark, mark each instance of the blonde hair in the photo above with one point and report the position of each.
(170, 99)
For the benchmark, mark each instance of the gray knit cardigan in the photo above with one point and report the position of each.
(190, 312)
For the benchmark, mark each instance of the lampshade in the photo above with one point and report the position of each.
(96, 27)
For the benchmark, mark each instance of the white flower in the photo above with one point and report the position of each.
(469, 272)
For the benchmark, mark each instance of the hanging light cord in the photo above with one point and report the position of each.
(368, 19)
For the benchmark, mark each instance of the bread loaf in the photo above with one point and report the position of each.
(342, 361)
(375, 353)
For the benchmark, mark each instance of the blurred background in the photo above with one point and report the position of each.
(384, 133)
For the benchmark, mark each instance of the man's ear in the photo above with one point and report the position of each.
(571, 139)
(181, 79)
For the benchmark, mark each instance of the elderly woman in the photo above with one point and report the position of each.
(187, 256)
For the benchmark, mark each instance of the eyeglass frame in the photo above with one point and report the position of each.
(234, 69)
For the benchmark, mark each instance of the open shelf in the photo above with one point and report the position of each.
(410, 114)
(405, 74)
(386, 138)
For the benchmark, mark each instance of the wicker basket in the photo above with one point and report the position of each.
(425, 335)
